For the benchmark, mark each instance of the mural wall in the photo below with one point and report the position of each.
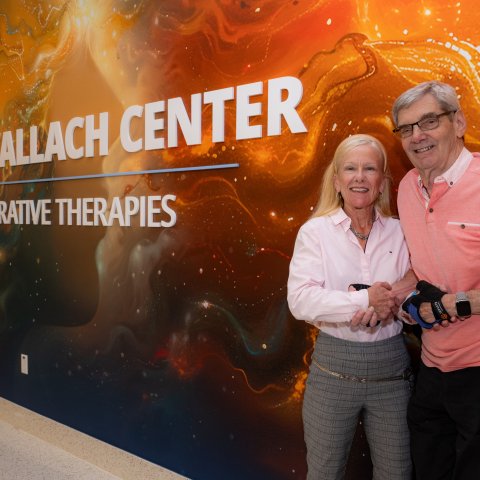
(157, 159)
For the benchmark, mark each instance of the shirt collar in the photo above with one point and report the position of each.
(455, 172)
(339, 217)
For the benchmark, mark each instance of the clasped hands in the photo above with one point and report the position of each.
(424, 306)
(383, 305)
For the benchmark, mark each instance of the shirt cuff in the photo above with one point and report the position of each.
(360, 299)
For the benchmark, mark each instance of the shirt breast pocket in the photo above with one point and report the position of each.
(465, 236)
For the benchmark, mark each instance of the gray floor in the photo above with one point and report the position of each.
(23, 456)
(33, 447)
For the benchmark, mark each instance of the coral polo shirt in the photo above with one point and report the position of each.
(443, 236)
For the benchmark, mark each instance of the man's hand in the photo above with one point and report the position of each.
(431, 307)
(381, 305)
(426, 312)
(382, 299)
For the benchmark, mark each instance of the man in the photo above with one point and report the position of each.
(439, 207)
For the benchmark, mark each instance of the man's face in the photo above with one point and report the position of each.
(435, 149)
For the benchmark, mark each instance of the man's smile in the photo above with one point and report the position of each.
(423, 149)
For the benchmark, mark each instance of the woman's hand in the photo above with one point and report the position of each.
(367, 318)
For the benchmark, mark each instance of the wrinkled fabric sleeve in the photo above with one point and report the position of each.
(308, 297)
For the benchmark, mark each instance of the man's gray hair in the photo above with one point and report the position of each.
(444, 94)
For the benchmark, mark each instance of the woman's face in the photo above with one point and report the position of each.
(360, 177)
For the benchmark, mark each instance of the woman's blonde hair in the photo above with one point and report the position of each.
(329, 200)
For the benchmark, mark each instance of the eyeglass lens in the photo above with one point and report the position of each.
(428, 123)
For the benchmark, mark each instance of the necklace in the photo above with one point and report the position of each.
(359, 235)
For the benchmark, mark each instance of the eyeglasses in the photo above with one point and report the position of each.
(428, 123)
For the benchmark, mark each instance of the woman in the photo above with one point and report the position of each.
(358, 365)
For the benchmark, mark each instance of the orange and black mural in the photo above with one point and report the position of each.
(175, 342)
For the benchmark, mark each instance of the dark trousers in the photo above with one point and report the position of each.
(444, 422)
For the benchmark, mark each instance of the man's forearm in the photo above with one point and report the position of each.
(449, 302)
(404, 286)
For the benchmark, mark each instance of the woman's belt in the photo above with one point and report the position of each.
(406, 375)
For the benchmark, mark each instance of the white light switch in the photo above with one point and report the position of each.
(24, 363)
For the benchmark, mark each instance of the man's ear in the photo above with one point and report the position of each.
(460, 123)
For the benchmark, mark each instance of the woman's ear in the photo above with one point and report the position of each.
(383, 186)
(336, 184)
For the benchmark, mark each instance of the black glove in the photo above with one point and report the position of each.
(434, 295)
(359, 286)
(427, 293)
